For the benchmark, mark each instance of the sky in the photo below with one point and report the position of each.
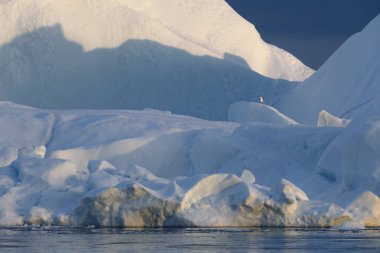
(309, 29)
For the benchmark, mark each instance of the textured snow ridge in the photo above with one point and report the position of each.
(201, 27)
(347, 85)
(188, 57)
(245, 112)
(152, 168)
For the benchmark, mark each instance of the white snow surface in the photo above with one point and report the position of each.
(246, 112)
(189, 57)
(153, 168)
(347, 85)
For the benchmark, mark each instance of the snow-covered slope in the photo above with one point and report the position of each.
(214, 25)
(346, 85)
(189, 57)
(201, 27)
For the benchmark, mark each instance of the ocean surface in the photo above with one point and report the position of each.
(57, 239)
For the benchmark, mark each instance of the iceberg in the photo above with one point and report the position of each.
(151, 166)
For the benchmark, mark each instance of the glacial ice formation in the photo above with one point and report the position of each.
(152, 168)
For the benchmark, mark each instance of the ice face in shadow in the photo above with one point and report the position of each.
(347, 85)
(44, 69)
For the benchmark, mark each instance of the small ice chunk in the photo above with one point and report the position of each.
(41, 216)
(287, 192)
(98, 165)
(365, 209)
(104, 179)
(326, 119)
(136, 173)
(248, 177)
(351, 226)
(208, 186)
(32, 151)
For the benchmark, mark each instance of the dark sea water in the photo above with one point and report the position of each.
(55, 239)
